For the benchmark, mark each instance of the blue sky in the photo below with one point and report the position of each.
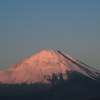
(28, 26)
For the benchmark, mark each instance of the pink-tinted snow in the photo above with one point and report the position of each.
(44, 63)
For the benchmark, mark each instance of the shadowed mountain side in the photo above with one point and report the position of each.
(16, 89)
(79, 65)
(76, 87)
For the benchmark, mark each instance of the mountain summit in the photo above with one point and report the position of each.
(45, 63)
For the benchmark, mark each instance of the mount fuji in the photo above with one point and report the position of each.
(51, 70)
(44, 63)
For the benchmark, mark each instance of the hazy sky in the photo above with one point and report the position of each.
(28, 26)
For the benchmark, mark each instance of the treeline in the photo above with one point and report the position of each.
(75, 87)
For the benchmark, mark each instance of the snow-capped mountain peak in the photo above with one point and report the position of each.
(44, 63)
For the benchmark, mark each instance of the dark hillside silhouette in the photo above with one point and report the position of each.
(76, 87)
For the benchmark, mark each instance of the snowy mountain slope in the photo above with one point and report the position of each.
(44, 63)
